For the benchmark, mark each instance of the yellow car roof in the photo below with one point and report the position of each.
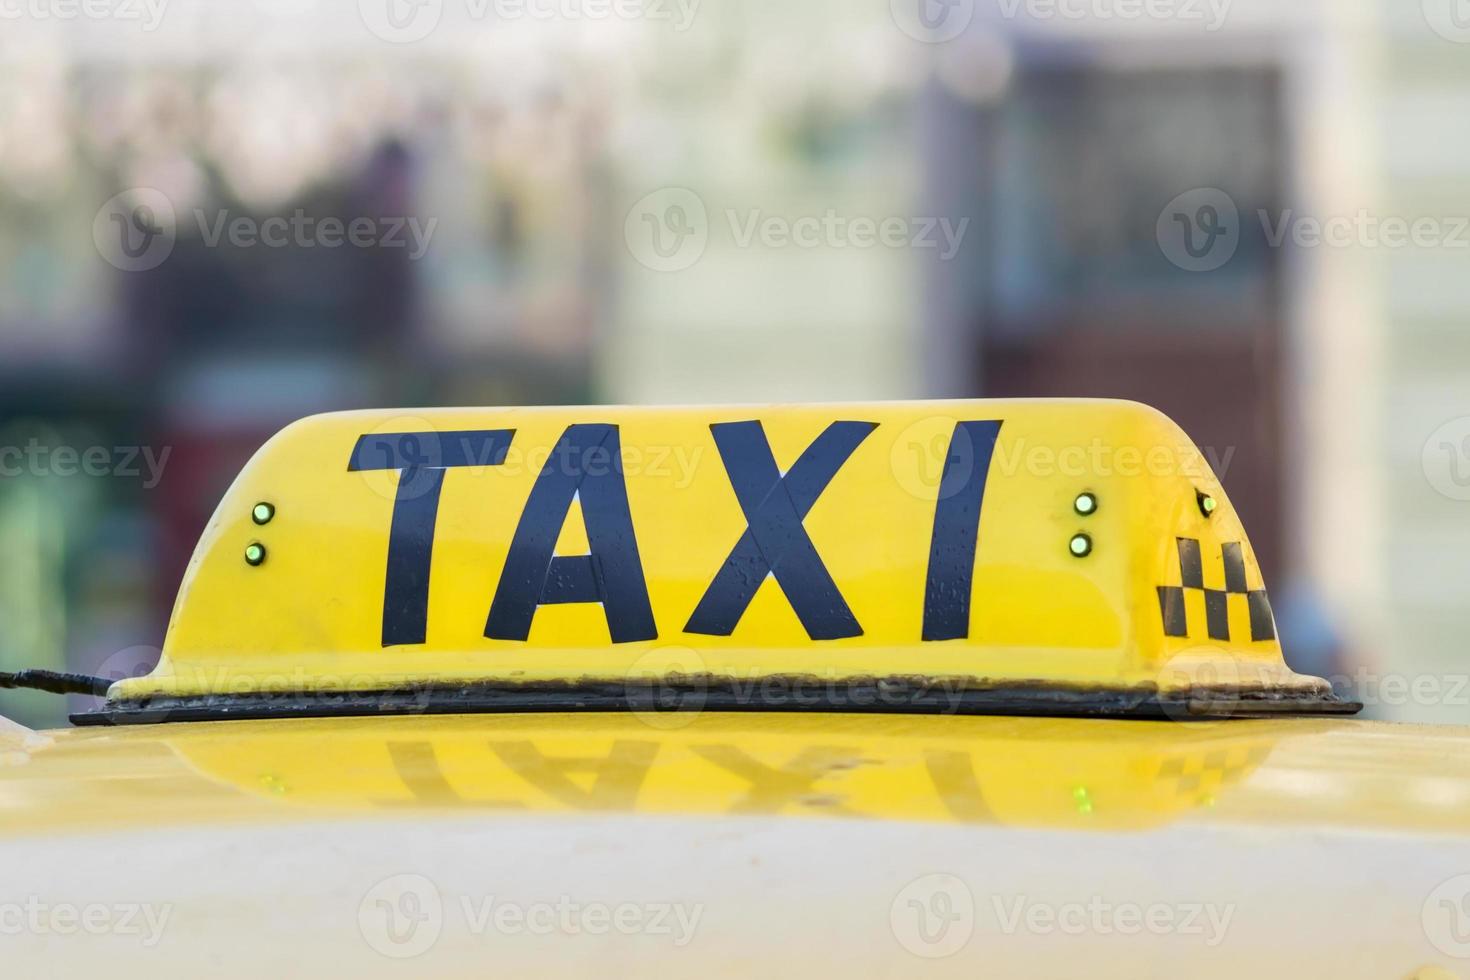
(1073, 774)
(736, 843)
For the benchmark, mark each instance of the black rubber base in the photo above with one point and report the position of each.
(889, 696)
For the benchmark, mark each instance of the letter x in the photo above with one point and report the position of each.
(775, 542)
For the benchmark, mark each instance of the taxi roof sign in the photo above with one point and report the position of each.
(1028, 556)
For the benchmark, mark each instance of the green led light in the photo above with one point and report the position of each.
(254, 553)
(262, 512)
(1207, 504)
(1085, 504)
(1081, 545)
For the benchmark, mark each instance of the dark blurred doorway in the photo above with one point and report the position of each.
(1070, 291)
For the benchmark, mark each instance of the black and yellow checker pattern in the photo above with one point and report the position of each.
(1208, 772)
(1217, 601)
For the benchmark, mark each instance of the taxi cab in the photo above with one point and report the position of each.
(965, 688)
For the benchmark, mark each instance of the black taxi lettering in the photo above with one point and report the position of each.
(420, 459)
(947, 587)
(775, 542)
(586, 465)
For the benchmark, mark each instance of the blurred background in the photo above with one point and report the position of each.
(218, 217)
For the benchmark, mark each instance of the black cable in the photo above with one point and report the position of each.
(56, 683)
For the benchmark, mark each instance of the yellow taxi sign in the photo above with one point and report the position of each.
(1070, 556)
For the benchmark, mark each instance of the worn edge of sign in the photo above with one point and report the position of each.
(784, 692)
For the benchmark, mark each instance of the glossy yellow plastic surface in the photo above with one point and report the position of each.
(1084, 506)
(1070, 774)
